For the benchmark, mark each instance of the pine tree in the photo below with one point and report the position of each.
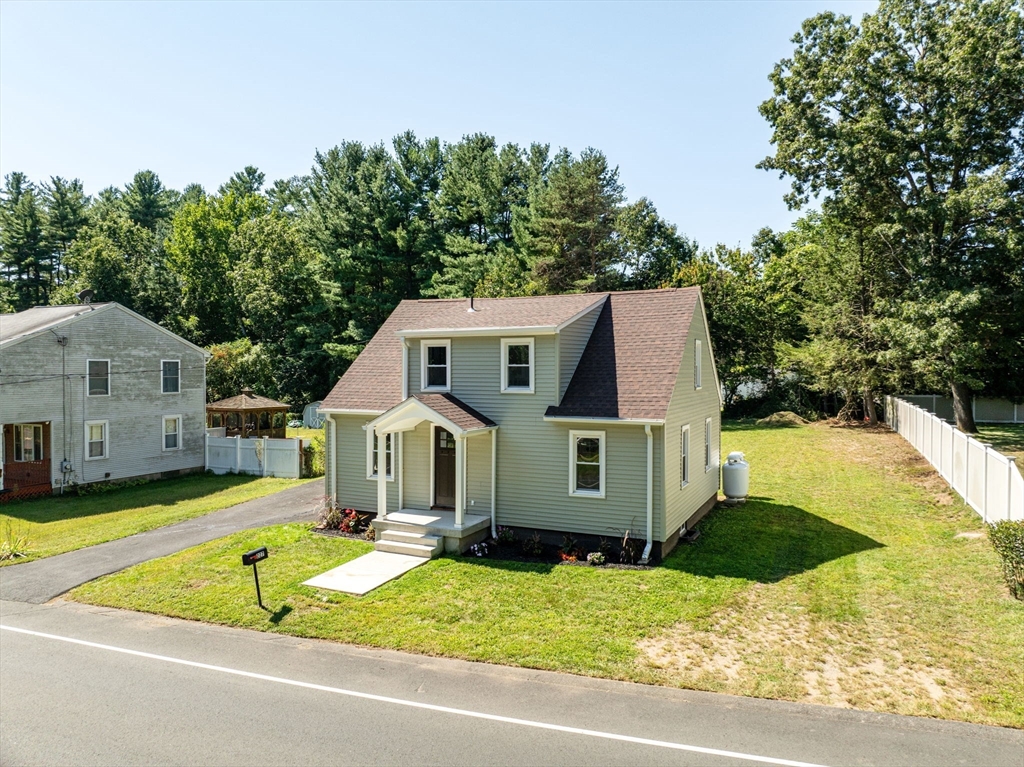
(25, 255)
(67, 214)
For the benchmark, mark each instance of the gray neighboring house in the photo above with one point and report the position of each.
(96, 392)
(589, 414)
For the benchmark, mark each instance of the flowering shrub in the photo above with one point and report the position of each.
(350, 522)
(597, 558)
(506, 536)
(478, 549)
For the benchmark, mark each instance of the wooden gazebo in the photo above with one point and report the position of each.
(248, 415)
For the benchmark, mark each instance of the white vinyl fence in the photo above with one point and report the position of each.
(262, 456)
(989, 481)
(985, 409)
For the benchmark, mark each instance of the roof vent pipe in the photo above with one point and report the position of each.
(471, 308)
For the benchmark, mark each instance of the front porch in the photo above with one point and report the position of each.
(400, 531)
(441, 523)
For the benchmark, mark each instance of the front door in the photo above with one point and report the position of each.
(444, 469)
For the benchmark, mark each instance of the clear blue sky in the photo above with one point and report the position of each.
(194, 91)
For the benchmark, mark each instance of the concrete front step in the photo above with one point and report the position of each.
(409, 536)
(410, 549)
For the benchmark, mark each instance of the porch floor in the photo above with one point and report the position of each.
(439, 522)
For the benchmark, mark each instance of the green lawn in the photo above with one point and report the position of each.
(303, 432)
(58, 524)
(840, 582)
(1007, 438)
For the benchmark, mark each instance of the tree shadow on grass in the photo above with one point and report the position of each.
(765, 542)
(156, 492)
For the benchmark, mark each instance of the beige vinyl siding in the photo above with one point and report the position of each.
(572, 340)
(478, 474)
(691, 406)
(134, 409)
(355, 491)
(416, 479)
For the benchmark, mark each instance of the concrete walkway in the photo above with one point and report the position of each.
(43, 579)
(365, 573)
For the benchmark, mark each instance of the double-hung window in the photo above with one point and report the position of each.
(373, 457)
(684, 457)
(707, 445)
(97, 439)
(586, 463)
(517, 365)
(435, 364)
(172, 432)
(170, 376)
(98, 378)
(28, 442)
(697, 373)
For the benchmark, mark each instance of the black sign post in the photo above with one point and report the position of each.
(251, 558)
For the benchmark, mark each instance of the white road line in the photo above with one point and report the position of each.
(426, 706)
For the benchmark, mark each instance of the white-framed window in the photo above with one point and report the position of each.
(171, 432)
(372, 457)
(684, 456)
(170, 376)
(97, 379)
(436, 365)
(707, 445)
(517, 365)
(697, 374)
(28, 442)
(586, 463)
(97, 440)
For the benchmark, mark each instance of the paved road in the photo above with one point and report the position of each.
(189, 693)
(43, 579)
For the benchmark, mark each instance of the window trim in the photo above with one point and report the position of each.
(426, 344)
(106, 441)
(370, 440)
(178, 390)
(89, 376)
(707, 445)
(505, 344)
(698, 366)
(19, 443)
(163, 433)
(602, 455)
(684, 456)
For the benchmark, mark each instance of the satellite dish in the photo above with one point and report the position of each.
(86, 295)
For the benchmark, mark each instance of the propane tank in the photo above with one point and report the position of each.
(736, 477)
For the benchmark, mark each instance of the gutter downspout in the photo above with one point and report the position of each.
(494, 487)
(646, 557)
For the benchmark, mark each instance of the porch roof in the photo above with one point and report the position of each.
(442, 409)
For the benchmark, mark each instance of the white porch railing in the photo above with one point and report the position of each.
(263, 457)
(990, 482)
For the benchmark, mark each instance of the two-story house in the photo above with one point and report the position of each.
(591, 414)
(96, 392)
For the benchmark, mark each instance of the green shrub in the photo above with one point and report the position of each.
(1008, 540)
(14, 545)
(315, 457)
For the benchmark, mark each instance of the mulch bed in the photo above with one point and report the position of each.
(340, 534)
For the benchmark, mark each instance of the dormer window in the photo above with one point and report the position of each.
(517, 365)
(436, 367)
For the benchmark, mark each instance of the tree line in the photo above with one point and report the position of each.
(904, 130)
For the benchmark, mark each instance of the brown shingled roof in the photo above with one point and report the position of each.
(374, 381)
(631, 362)
(247, 400)
(628, 369)
(455, 410)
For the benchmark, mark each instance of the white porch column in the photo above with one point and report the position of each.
(460, 479)
(382, 476)
(401, 468)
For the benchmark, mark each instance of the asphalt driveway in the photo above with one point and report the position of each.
(43, 579)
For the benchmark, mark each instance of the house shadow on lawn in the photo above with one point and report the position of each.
(765, 542)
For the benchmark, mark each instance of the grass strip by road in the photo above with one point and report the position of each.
(841, 582)
(60, 524)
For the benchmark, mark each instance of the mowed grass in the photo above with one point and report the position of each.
(59, 524)
(842, 582)
(1007, 438)
(302, 432)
